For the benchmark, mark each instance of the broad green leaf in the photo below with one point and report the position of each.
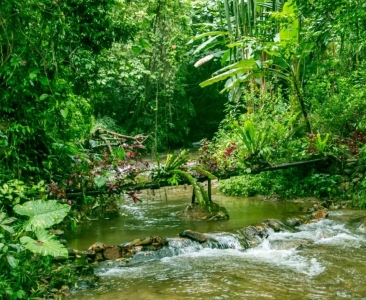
(244, 63)
(5, 189)
(227, 74)
(136, 49)
(12, 261)
(291, 31)
(100, 181)
(64, 113)
(43, 97)
(42, 214)
(236, 44)
(216, 33)
(32, 76)
(44, 245)
(145, 44)
(120, 153)
(204, 44)
(2, 217)
(225, 57)
(43, 80)
(7, 228)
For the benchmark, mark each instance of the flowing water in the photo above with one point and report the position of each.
(322, 260)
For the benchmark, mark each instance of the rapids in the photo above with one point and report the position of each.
(320, 260)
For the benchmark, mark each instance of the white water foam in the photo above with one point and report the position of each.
(332, 233)
(280, 249)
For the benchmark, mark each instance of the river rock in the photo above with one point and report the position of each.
(274, 224)
(363, 224)
(65, 291)
(320, 214)
(97, 247)
(112, 253)
(157, 243)
(194, 235)
(211, 212)
(127, 250)
(143, 242)
(99, 256)
(295, 221)
(253, 235)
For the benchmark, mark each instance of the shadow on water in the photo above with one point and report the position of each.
(156, 215)
(322, 260)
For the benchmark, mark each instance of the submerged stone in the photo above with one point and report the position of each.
(275, 224)
(97, 247)
(295, 221)
(194, 235)
(112, 253)
(320, 214)
(209, 212)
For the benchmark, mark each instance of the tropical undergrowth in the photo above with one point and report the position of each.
(248, 141)
(29, 246)
(285, 184)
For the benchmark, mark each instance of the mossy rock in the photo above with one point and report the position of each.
(210, 212)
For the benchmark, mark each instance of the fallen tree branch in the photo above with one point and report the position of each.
(153, 185)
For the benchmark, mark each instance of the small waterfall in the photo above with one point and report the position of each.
(181, 246)
(223, 241)
(274, 248)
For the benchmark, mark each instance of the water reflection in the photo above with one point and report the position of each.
(323, 260)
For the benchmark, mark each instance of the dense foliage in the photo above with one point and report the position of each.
(86, 86)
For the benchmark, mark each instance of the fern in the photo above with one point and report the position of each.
(176, 160)
(254, 141)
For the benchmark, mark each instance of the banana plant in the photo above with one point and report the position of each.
(278, 57)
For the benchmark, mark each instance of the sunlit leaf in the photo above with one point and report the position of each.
(44, 245)
(99, 181)
(12, 261)
(211, 33)
(43, 97)
(42, 214)
(64, 113)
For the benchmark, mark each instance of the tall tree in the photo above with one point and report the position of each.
(44, 46)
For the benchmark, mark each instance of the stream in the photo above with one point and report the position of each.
(320, 260)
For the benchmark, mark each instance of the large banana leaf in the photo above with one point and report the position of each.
(290, 32)
(242, 66)
(42, 214)
(44, 245)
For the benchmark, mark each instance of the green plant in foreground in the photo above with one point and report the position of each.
(42, 214)
(23, 242)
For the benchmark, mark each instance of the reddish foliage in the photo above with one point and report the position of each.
(89, 166)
